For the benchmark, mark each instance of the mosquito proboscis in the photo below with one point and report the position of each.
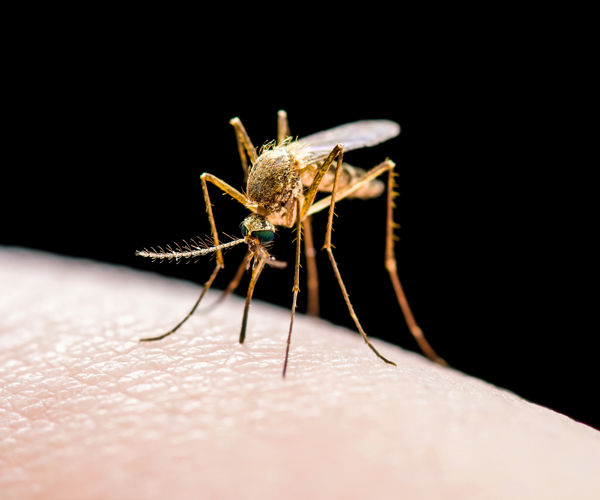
(282, 181)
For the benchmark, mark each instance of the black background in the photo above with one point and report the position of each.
(107, 140)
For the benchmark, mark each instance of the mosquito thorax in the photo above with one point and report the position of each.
(273, 180)
(258, 227)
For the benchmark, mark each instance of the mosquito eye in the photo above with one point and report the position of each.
(264, 236)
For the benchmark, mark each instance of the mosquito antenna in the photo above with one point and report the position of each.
(188, 251)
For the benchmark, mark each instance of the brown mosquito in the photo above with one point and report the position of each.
(282, 182)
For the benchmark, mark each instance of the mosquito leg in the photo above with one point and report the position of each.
(257, 269)
(283, 127)
(337, 152)
(328, 247)
(390, 259)
(309, 197)
(204, 290)
(244, 145)
(220, 264)
(233, 284)
(311, 267)
(296, 288)
(392, 268)
(231, 191)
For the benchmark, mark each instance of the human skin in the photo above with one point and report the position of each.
(89, 412)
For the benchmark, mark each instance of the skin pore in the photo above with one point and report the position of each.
(87, 411)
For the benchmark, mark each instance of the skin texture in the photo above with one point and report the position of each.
(88, 412)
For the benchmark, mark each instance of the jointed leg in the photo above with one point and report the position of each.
(207, 285)
(296, 288)
(313, 283)
(231, 191)
(309, 197)
(391, 266)
(390, 259)
(220, 264)
(311, 268)
(244, 145)
(328, 247)
(256, 270)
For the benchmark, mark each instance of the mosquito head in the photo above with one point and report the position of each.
(257, 227)
(259, 232)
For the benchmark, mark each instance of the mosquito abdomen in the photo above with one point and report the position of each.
(349, 175)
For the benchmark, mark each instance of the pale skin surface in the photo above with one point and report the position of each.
(89, 412)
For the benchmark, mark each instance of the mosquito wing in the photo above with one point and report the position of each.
(353, 135)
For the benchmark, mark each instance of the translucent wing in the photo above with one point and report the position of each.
(353, 135)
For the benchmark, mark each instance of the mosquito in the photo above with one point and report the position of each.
(282, 181)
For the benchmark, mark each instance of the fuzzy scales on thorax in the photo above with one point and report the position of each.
(274, 184)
